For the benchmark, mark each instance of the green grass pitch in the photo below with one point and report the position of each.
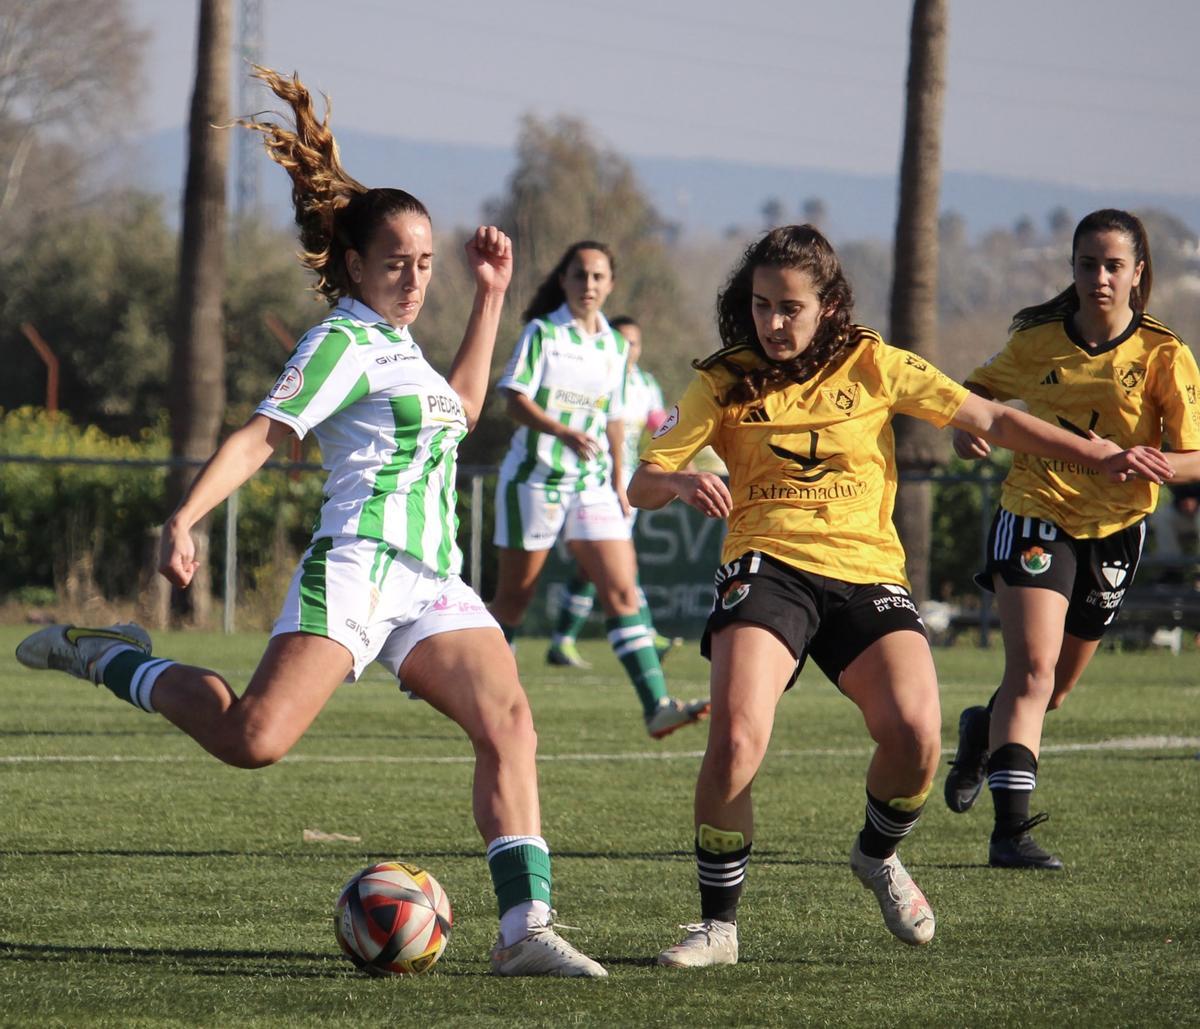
(143, 883)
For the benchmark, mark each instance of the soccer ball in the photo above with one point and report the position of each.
(393, 919)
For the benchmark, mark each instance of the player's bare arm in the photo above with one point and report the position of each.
(653, 487)
(1016, 430)
(238, 458)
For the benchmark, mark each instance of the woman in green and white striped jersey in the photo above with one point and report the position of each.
(565, 389)
(380, 579)
(642, 412)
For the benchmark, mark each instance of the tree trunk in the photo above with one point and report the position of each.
(198, 357)
(919, 446)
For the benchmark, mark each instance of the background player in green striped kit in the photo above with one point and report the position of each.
(565, 386)
(380, 580)
(642, 411)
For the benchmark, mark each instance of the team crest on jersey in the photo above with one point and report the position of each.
(844, 398)
(736, 593)
(671, 421)
(1114, 572)
(915, 362)
(1190, 392)
(1035, 561)
(1130, 376)
(289, 383)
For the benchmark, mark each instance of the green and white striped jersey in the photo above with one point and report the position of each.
(389, 428)
(578, 380)
(643, 396)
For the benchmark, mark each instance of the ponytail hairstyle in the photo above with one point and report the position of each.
(335, 212)
(549, 296)
(1108, 219)
(803, 248)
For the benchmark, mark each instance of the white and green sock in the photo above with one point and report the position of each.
(633, 643)
(577, 605)
(130, 674)
(520, 867)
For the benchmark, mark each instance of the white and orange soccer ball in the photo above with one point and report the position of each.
(393, 919)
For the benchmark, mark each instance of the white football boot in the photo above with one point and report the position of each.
(544, 952)
(707, 943)
(674, 714)
(75, 650)
(906, 912)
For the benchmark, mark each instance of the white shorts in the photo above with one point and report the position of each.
(531, 517)
(375, 601)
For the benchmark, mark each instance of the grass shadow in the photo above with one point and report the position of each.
(253, 964)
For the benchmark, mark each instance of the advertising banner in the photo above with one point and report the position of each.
(678, 554)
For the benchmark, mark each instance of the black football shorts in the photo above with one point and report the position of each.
(1093, 574)
(832, 620)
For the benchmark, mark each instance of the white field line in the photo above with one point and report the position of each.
(1120, 743)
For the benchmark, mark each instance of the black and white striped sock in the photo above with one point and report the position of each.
(884, 827)
(721, 878)
(1012, 776)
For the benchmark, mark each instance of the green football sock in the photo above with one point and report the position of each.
(131, 675)
(644, 610)
(520, 867)
(633, 644)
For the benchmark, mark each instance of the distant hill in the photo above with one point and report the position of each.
(707, 196)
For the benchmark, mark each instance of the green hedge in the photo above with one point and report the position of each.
(960, 523)
(57, 520)
(97, 520)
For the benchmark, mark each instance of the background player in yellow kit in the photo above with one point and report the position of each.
(1065, 542)
(798, 404)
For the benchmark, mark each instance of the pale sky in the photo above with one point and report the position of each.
(1103, 93)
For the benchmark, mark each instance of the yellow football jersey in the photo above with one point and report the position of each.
(1141, 387)
(812, 465)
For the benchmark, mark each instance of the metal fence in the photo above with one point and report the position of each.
(678, 548)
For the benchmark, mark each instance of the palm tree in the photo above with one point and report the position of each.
(197, 381)
(919, 446)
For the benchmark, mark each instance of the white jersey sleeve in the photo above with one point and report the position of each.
(525, 369)
(322, 377)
